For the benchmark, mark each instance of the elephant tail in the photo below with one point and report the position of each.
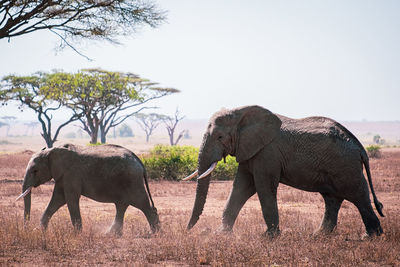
(147, 187)
(378, 204)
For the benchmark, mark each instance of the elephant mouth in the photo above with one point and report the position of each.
(203, 175)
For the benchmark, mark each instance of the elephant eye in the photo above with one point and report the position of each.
(220, 137)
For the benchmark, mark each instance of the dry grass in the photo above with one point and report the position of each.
(300, 215)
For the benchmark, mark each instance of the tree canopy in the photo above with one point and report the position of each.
(170, 124)
(149, 122)
(78, 19)
(103, 99)
(30, 92)
(99, 99)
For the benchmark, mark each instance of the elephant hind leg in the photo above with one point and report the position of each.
(371, 221)
(118, 224)
(362, 201)
(332, 206)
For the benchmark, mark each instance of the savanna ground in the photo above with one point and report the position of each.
(300, 214)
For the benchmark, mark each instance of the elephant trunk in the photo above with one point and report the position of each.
(201, 195)
(202, 187)
(27, 200)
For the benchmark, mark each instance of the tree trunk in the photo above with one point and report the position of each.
(48, 140)
(171, 138)
(102, 137)
(93, 138)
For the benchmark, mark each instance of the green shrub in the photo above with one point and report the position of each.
(176, 162)
(170, 162)
(226, 171)
(374, 151)
(97, 144)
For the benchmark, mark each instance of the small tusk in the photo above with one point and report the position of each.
(190, 176)
(207, 172)
(27, 191)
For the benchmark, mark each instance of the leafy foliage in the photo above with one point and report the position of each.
(374, 151)
(103, 99)
(176, 162)
(79, 19)
(32, 92)
(99, 99)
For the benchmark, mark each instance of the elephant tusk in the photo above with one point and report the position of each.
(190, 176)
(27, 191)
(207, 172)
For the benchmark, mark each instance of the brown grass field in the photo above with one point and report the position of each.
(300, 214)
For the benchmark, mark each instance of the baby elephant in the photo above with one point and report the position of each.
(107, 173)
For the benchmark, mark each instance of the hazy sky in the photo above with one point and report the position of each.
(339, 59)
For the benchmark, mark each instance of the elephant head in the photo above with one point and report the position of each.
(37, 172)
(240, 132)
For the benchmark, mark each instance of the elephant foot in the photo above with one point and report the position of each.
(272, 233)
(321, 232)
(369, 237)
(43, 227)
(114, 231)
(223, 230)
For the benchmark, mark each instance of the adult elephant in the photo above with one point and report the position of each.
(315, 154)
(106, 173)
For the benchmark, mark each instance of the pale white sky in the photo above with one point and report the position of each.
(339, 58)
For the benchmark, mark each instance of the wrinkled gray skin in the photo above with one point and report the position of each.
(314, 154)
(106, 173)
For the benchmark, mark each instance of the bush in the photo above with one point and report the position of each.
(97, 144)
(176, 162)
(374, 151)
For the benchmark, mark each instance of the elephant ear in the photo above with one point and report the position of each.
(257, 127)
(58, 161)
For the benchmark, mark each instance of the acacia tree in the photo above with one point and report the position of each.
(79, 19)
(171, 123)
(30, 92)
(104, 99)
(149, 122)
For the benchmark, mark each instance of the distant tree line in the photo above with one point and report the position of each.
(98, 99)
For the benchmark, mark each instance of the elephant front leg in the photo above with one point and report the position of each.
(266, 187)
(243, 188)
(57, 201)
